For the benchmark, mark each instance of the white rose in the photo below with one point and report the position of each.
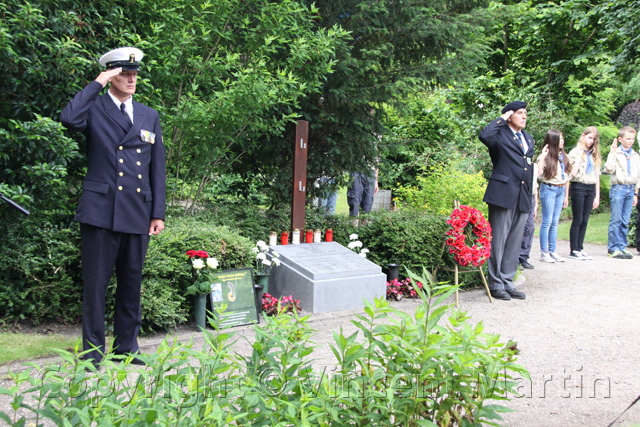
(261, 255)
(353, 236)
(197, 263)
(356, 244)
(364, 251)
(266, 262)
(262, 245)
(212, 263)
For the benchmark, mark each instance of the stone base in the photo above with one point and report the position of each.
(326, 277)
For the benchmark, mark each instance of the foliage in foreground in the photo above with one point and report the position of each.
(430, 368)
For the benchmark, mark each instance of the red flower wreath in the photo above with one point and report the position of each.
(480, 249)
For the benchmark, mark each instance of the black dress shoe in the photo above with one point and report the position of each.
(498, 294)
(515, 294)
(123, 357)
(525, 264)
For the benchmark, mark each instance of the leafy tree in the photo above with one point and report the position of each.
(226, 74)
(393, 48)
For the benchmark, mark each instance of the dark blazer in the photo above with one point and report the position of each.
(125, 184)
(510, 184)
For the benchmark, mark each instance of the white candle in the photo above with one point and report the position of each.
(317, 236)
(273, 238)
(295, 237)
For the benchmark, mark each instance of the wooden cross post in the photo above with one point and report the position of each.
(299, 175)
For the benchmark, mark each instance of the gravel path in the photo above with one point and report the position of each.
(576, 331)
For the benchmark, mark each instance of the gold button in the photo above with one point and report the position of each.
(139, 150)
(121, 174)
(138, 163)
(121, 161)
(138, 190)
(120, 148)
(139, 176)
(120, 188)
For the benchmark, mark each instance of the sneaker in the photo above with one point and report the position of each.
(627, 254)
(556, 257)
(617, 255)
(545, 257)
(585, 255)
(577, 255)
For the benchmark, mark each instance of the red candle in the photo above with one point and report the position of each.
(284, 238)
(328, 235)
(309, 238)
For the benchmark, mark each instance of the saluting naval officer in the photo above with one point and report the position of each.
(508, 194)
(123, 198)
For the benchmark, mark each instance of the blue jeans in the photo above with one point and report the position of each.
(327, 204)
(621, 200)
(551, 200)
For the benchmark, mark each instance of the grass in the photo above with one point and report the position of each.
(16, 347)
(597, 230)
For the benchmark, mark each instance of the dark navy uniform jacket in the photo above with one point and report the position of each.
(125, 184)
(512, 177)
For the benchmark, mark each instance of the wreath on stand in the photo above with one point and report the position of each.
(467, 222)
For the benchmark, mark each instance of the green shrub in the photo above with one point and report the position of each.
(436, 189)
(426, 369)
(167, 274)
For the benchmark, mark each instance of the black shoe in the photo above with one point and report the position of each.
(123, 357)
(525, 264)
(498, 294)
(515, 294)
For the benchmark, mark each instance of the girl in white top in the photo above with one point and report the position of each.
(554, 172)
(584, 188)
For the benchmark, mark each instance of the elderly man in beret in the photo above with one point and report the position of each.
(508, 194)
(123, 199)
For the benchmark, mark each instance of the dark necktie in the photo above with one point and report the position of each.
(123, 109)
(523, 143)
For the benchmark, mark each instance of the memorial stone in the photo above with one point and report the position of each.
(326, 277)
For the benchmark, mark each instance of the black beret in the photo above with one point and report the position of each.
(515, 106)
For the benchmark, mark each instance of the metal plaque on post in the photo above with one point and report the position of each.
(299, 175)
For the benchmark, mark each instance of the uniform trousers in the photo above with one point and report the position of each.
(507, 227)
(103, 249)
(527, 237)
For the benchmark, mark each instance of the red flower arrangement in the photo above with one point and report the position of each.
(398, 289)
(287, 305)
(199, 254)
(469, 222)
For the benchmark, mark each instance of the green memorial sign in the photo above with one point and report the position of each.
(235, 289)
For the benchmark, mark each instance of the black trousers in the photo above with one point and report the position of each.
(103, 249)
(582, 197)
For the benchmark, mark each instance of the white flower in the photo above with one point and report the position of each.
(275, 254)
(266, 262)
(363, 254)
(256, 250)
(276, 261)
(356, 244)
(364, 251)
(261, 255)
(197, 263)
(262, 245)
(212, 263)
(353, 236)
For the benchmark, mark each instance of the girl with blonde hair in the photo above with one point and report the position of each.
(584, 188)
